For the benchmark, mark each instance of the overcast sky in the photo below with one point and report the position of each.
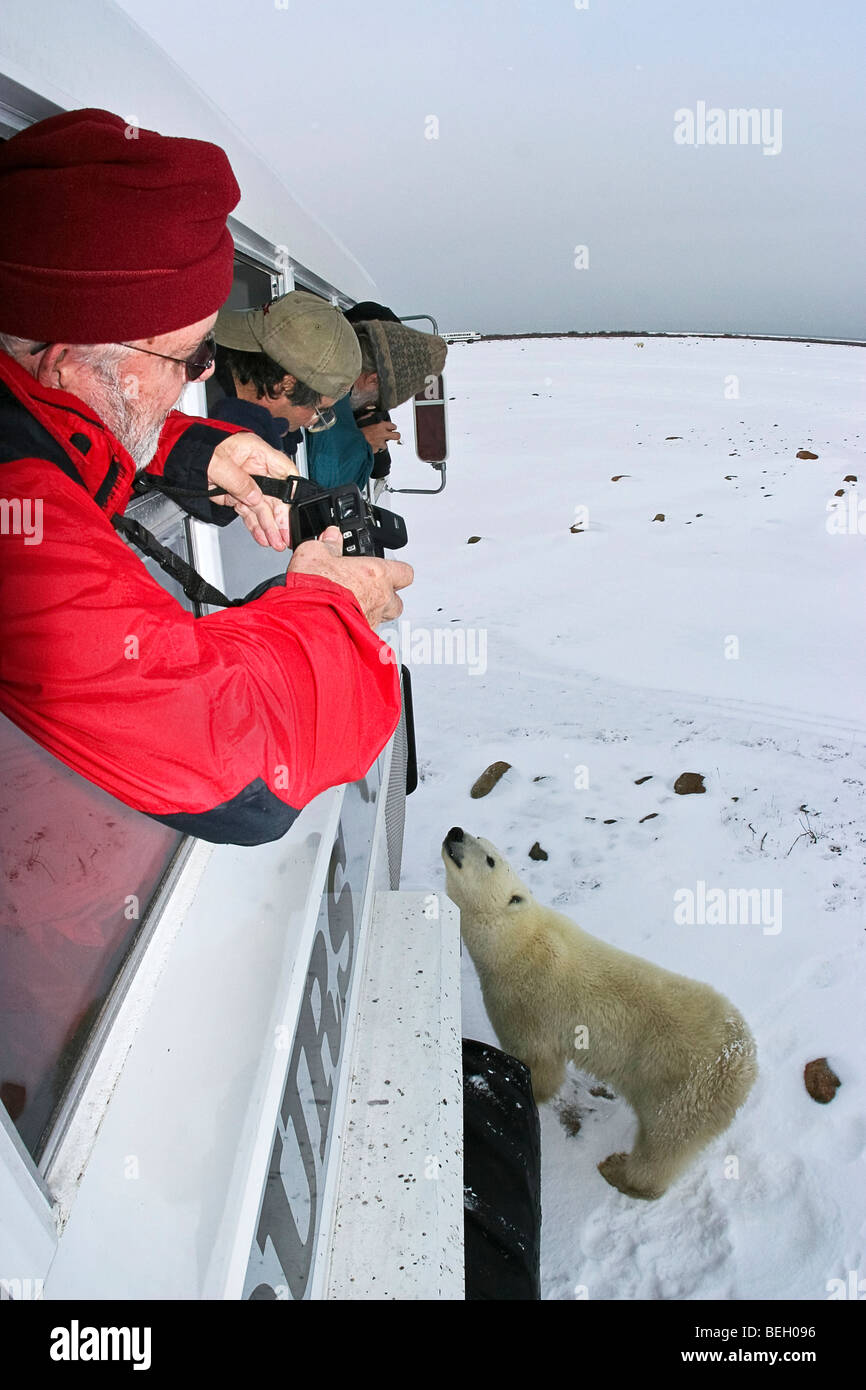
(554, 129)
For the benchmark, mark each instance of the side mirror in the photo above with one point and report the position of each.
(431, 429)
(431, 433)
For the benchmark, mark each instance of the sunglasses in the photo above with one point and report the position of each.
(195, 365)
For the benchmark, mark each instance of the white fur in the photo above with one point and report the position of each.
(679, 1052)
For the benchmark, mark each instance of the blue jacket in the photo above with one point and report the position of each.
(340, 454)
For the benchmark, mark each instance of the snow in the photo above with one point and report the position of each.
(728, 643)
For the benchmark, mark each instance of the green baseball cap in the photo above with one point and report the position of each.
(306, 335)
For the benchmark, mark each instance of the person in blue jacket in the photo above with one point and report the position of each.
(396, 363)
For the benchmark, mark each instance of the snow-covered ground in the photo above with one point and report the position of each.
(727, 640)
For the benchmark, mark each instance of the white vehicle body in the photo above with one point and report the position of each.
(261, 1076)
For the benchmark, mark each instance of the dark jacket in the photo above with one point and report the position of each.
(258, 420)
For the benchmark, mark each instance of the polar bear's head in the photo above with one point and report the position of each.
(478, 879)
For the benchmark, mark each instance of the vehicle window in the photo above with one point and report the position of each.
(78, 873)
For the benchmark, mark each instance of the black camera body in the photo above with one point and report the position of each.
(369, 415)
(366, 530)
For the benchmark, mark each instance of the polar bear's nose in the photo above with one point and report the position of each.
(452, 846)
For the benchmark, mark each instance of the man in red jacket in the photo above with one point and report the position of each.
(114, 258)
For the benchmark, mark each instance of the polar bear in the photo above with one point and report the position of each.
(679, 1052)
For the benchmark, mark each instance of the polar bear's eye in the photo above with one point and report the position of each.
(490, 861)
(516, 899)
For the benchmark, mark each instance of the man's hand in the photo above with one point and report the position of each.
(373, 581)
(381, 435)
(232, 463)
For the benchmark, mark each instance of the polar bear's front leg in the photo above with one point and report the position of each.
(649, 1169)
(548, 1076)
(615, 1170)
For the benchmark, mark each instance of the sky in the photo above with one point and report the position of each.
(527, 165)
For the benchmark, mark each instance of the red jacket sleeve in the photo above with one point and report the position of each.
(169, 713)
(184, 451)
(176, 430)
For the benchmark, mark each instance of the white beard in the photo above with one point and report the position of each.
(359, 398)
(133, 428)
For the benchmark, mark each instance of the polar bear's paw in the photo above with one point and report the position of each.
(614, 1170)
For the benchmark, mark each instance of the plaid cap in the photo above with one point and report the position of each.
(404, 357)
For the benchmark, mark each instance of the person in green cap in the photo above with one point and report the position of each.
(284, 366)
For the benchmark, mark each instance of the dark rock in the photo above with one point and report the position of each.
(821, 1083)
(689, 782)
(850, 478)
(473, 540)
(488, 779)
(659, 516)
(537, 852)
(652, 815)
(805, 454)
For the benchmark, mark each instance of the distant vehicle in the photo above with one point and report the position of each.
(224, 1115)
(467, 336)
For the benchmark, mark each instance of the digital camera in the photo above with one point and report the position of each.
(366, 530)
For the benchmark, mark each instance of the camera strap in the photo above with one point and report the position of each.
(191, 582)
(291, 489)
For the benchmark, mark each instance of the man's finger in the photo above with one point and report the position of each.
(332, 539)
(271, 514)
(274, 527)
(276, 466)
(400, 575)
(268, 523)
(394, 609)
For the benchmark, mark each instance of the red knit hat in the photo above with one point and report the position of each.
(109, 232)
